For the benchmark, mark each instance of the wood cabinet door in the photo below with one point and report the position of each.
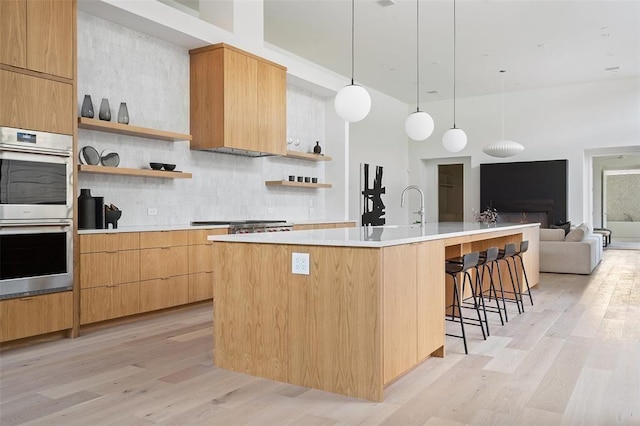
(200, 286)
(108, 302)
(200, 258)
(272, 109)
(30, 316)
(164, 293)
(50, 27)
(13, 32)
(163, 239)
(240, 101)
(164, 262)
(109, 268)
(90, 243)
(35, 103)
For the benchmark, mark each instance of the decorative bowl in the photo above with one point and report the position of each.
(169, 167)
(156, 166)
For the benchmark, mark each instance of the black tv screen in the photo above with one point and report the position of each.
(509, 186)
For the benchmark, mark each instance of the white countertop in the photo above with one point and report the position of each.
(181, 227)
(377, 236)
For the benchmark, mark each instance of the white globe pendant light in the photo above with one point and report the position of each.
(352, 103)
(454, 139)
(503, 148)
(419, 124)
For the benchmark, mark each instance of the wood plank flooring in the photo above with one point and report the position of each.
(572, 358)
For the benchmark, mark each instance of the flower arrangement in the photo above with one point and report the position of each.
(488, 216)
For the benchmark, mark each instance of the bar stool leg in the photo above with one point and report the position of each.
(517, 289)
(481, 297)
(526, 280)
(475, 301)
(456, 298)
(504, 302)
(492, 287)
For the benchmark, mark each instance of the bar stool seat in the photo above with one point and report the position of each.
(453, 268)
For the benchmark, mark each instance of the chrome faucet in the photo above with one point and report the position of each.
(421, 212)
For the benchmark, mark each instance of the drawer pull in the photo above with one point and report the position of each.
(112, 251)
(112, 286)
(165, 248)
(165, 278)
(208, 272)
(26, 298)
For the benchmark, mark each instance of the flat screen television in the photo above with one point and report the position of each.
(533, 185)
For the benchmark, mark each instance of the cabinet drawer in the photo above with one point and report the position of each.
(200, 286)
(164, 293)
(200, 258)
(164, 239)
(30, 316)
(90, 243)
(113, 301)
(164, 262)
(200, 236)
(109, 268)
(35, 103)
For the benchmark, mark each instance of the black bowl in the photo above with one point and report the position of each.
(169, 167)
(156, 166)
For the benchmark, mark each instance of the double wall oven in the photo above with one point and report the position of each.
(36, 212)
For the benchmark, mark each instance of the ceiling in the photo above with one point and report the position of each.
(539, 43)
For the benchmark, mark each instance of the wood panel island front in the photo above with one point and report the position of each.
(371, 308)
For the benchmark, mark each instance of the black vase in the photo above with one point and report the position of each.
(87, 107)
(86, 210)
(317, 149)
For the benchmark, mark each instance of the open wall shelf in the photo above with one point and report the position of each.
(297, 184)
(129, 130)
(133, 172)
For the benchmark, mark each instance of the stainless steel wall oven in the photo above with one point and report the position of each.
(36, 212)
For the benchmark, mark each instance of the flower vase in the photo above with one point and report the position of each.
(87, 107)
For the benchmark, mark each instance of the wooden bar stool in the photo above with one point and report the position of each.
(453, 268)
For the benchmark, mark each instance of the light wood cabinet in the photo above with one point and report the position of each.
(108, 302)
(35, 103)
(164, 293)
(201, 263)
(34, 315)
(238, 101)
(38, 35)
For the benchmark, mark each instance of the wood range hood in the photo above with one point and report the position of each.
(238, 102)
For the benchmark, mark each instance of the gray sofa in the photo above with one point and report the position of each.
(579, 252)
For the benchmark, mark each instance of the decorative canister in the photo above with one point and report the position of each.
(317, 149)
(86, 210)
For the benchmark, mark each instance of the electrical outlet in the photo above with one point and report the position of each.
(152, 211)
(300, 263)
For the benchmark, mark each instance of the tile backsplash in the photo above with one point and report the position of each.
(152, 77)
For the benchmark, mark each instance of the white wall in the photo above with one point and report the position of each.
(379, 139)
(552, 123)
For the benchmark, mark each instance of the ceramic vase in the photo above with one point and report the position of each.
(87, 107)
(105, 110)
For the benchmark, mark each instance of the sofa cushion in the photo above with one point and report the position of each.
(575, 235)
(551, 234)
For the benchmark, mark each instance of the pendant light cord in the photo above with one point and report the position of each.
(454, 64)
(418, 55)
(353, 7)
(503, 71)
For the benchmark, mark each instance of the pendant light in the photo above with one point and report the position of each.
(503, 148)
(352, 102)
(454, 139)
(419, 124)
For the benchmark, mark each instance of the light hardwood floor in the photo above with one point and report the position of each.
(572, 358)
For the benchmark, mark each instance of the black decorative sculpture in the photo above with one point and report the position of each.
(373, 207)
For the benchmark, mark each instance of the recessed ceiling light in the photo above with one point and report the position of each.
(432, 92)
(436, 62)
(486, 55)
(385, 3)
(604, 35)
(612, 69)
(611, 54)
(541, 45)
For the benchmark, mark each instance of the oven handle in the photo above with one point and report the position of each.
(34, 224)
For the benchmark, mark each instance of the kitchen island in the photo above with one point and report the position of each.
(371, 308)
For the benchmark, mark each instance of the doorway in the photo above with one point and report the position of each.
(450, 193)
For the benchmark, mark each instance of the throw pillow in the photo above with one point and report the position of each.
(575, 235)
(566, 226)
